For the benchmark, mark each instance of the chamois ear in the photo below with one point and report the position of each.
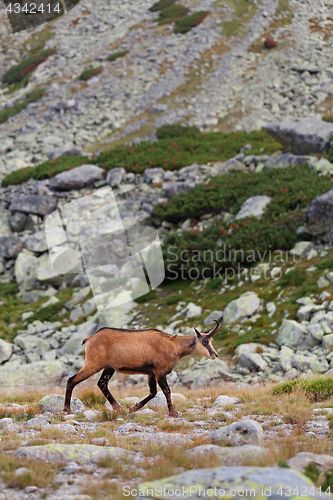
(198, 334)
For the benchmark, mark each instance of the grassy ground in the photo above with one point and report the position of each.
(286, 420)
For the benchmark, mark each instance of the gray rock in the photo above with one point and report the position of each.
(159, 400)
(245, 306)
(17, 221)
(38, 373)
(10, 246)
(151, 175)
(213, 315)
(192, 310)
(302, 459)
(159, 108)
(115, 176)
(77, 178)
(36, 242)
(34, 204)
(32, 343)
(226, 400)
(81, 453)
(238, 433)
(74, 344)
(253, 207)
(6, 350)
(277, 481)
(253, 361)
(90, 415)
(295, 334)
(323, 166)
(227, 456)
(171, 188)
(318, 217)
(25, 266)
(328, 341)
(308, 135)
(65, 151)
(305, 312)
(4, 422)
(286, 160)
(54, 403)
(270, 307)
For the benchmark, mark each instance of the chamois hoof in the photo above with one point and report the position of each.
(119, 409)
(68, 411)
(134, 408)
(174, 414)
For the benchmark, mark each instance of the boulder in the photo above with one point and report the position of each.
(305, 312)
(253, 207)
(226, 400)
(324, 166)
(34, 204)
(159, 400)
(31, 343)
(227, 456)
(238, 433)
(171, 188)
(74, 344)
(205, 372)
(65, 151)
(318, 217)
(215, 315)
(253, 361)
(152, 175)
(17, 221)
(80, 453)
(305, 136)
(39, 373)
(6, 350)
(295, 334)
(25, 266)
(287, 160)
(192, 310)
(54, 403)
(229, 482)
(77, 178)
(245, 306)
(10, 246)
(303, 459)
(36, 242)
(115, 176)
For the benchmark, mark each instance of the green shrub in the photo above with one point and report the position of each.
(32, 96)
(48, 313)
(171, 13)
(317, 389)
(326, 264)
(172, 299)
(176, 130)
(283, 463)
(161, 5)
(7, 289)
(91, 399)
(90, 72)
(291, 188)
(296, 277)
(18, 72)
(312, 471)
(117, 55)
(44, 170)
(328, 482)
(147, 297)
(175, 153)
(184, 24)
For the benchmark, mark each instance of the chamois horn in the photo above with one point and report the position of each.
(212, 331)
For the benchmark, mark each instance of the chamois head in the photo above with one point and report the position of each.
(204, 341)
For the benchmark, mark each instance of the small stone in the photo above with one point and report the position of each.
(238, 433)
(226, 400)
(4, 422)
(21, 471)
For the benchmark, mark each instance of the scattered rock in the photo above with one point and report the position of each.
(226, 400)
(34, 204)
(318, 217)
(77, 178)
(54, 403)
(238, 433)
(253, 207)
(245, 306)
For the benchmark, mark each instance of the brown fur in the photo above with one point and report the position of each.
(148, 351)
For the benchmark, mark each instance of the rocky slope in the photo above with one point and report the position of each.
(218, 75)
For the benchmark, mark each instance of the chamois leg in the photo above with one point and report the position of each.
(80, 376)
(162, 382)
(103, 385)
(153, 392)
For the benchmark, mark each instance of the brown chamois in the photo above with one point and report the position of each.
(151, 352)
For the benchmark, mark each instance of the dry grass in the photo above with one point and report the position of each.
(40, 475)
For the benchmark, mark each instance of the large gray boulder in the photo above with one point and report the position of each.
(318, 217)
(238, 433)
(6, 350)
(10, 246)
(34, 204)
(253, 207)
(39, 373)
(287, 160)
(302, 460)
(55, 403)
(77, 178)
(25, 266)
(204, 372)
(245, 306)
(80, 453)
(115, 176)
(305, 136)
(293, 334)
(172, 188)
(229, 482)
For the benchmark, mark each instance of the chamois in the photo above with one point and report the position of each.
(148, 351)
